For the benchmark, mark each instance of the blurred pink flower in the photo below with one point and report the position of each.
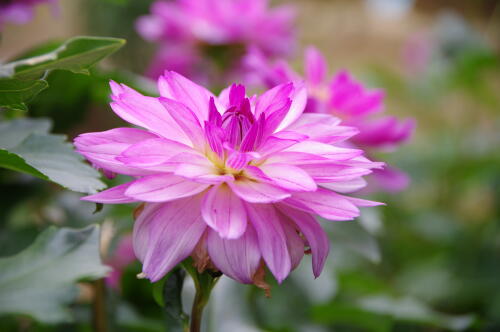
(345, 97)
(118, 261)
(417, 53)
(198, 36)
(232, 180)
(20, 11)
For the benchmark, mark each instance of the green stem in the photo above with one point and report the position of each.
(204, 283)
(197, 312)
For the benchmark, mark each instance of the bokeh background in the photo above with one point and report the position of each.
(428, 261)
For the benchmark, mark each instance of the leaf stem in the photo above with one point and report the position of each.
(99, 317)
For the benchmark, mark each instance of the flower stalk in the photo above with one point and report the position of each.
(204, 283)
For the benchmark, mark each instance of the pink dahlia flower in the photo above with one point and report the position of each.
(19, 11)
(344, 97)
(202, 35)
(235, 182)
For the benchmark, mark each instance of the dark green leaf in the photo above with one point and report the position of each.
(15, 107)
(39, 281)
(337, 313)
(26, 146)
(77, 55)
(176, 319)
(14, 92)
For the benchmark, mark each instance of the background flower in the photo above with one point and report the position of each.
(344, 97)
(20, 11)
(207, 38)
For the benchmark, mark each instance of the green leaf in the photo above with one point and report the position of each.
(15, 107)
(338, 313)
(40, 280)
(15, 92)
(177, 320)
(26, 146)
(23, 79)
(76, 54)
(409, 309)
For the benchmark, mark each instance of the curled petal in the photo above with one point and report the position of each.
(224, 212)
(294, 242)
(299, 100)
(315, 235)
(272, 239)
(146, 112)
(176, 87)
(186, 119)
(167, 233)
(114, 195)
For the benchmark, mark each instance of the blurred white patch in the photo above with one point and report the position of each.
(227, 309)
(321, 289)
(389, 9)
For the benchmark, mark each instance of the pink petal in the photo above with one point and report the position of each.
(391, 179)
(176, 87)
(315, 65)
(238, 259)
(148, 113)
(272, 239)
(299, 100)
(289, 177)
(267, 102)
(114, 195)
(166, 233)
(257, 192)
(325, 150)
(322, 128)
(295, 158)
(279, 141)
(350, 97)
(325, 203)
(384, 132)
(102, 148)
(186, 119)
(163, 188)
(362, 202)
(328, 172)
(224, 212)
(152, 152)
(294, 242)
(346, 186)
(315, 235)
(202, 171)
